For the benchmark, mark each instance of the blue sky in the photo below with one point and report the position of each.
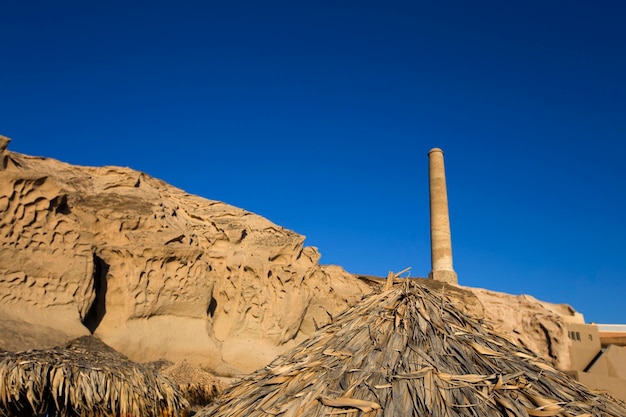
(319, 116)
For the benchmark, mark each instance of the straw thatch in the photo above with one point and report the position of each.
(86, 378)
(198, 386)
(409, 352)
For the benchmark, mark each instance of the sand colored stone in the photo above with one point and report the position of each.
(153, 271)
(534, 324)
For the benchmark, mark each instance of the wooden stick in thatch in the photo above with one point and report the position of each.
(87, 378)
(409, 352)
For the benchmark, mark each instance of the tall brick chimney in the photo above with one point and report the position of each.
(440, 240)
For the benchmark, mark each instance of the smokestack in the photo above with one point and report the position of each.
(440, 240)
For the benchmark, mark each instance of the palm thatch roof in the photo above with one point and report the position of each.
(86, 378)
(198, 386)
(409, 351)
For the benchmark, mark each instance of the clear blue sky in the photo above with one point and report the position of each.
(319, 116)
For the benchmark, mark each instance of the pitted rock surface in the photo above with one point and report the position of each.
(538, 325)
(153, 271)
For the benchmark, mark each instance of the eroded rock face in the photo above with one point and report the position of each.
(537, 325)
(153, 271)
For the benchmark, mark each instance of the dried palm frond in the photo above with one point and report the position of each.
(198, 387)
(409, 352)
(86, 378)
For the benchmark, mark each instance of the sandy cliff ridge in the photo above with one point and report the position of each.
(158, 273)
(153, 271)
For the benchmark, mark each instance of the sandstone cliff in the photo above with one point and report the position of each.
(153, 271)
(159, 273)
(538, 325)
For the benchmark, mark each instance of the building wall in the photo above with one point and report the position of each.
(606, 370)
(614, 386)
(612, 363)
(584, 345)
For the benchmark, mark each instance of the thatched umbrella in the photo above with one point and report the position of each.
(86, 378)
(198, 386)
(409, 352)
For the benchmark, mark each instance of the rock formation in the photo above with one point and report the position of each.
(153, 271)
(158, 273)
(537, 325)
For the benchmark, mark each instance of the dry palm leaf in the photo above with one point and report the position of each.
(87, 378)
(409, 351)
